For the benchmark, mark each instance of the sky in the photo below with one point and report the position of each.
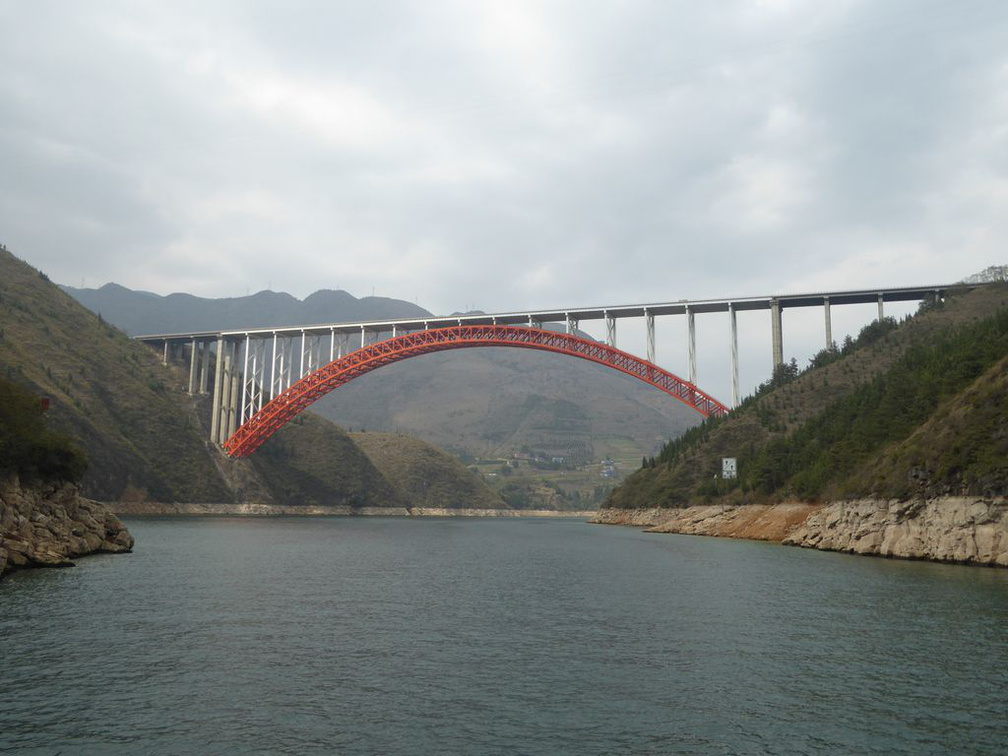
(512, 155)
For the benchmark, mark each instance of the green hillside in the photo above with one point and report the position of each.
(310, 461)
(424, 475)
(917, 408)
(29, 449)
(141, 434)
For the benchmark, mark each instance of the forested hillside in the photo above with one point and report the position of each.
(30, 449)
(918, 408)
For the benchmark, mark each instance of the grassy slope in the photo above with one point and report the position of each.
(424, 475)
(766, 424)
(310, 461)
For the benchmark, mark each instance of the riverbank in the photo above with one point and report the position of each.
(50, 526)
(963, 530)
(159, 509)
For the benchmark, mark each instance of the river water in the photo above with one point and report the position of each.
(466, 636)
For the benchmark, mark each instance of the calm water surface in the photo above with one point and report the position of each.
(460, 636)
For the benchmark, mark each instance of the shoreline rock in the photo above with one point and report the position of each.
(959, 530)
(759, 522)
(50, 526)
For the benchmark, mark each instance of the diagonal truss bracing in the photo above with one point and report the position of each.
(316, 384)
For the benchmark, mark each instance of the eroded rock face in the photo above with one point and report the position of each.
(761, 522)
(950, 529)
(50, 526)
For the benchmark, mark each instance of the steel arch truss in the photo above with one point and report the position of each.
(297, 397)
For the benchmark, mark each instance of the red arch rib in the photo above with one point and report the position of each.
(271, 417)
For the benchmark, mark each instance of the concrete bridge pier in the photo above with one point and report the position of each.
(776, 328)
(205, 368)
(224, 417)
(829, 325)
(215, 411)
(649, 322)
(232, 403)
(610, 327)
(733, 345)
(691, 327)
(193, 365)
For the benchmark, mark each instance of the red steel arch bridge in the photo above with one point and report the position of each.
(263, 377)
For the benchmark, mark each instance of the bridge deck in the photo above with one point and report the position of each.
(578, 314)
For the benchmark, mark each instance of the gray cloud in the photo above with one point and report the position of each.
(505, 155)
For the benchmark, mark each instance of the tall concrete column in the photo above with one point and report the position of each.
(691, 327)
(733, 330)
(205, 368)
(829, 325)
(284, 367)
(245, 381)
(193, 362)
(225, 400)
(610, 327)
(232, 424)
(332, 344)
(649, 322)
(218, 388)
(881, 312)
(777, 333)
(164, 360)
(273, 358)
(303, 339)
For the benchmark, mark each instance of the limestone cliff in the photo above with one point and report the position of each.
(759, 522)
(965, 530)
(951, 529)
(51, 525)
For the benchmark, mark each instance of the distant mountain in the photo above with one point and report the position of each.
(141, 312)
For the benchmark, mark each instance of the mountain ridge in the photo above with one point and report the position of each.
(142, 312)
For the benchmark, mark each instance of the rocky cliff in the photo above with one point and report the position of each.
(759, 522)
(50, 526)
(966, 530)
(951, 529)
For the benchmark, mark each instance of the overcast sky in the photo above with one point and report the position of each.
(505, 155)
